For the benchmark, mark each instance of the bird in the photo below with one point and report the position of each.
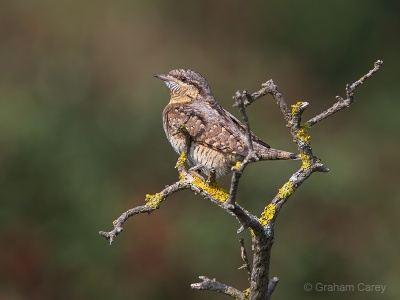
(195, 123)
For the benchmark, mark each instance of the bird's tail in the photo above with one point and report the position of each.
(274, 154)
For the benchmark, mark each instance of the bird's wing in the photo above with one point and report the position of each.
(243, 130)
(214, 128)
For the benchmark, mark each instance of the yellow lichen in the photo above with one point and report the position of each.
(246, 293)
(306, 161)
(268, 214)
(180, 164)
(252, 232)
(237, 165)
(215, 191)
(153, 201)
(296, 107)
(286, 190)
(303, 135)
(181, 161)
(182, 177)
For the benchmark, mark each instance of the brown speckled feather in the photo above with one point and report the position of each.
(214, 138)
(214, 132)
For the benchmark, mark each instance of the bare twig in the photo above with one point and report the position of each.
(343, 103)
(237, 174)
(240, 100)
(213, 285)
(147, 208)
(271, 287)
(243, 255)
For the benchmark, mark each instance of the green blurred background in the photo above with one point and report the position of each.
(81, 141)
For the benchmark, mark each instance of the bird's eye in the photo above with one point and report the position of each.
(183, 79)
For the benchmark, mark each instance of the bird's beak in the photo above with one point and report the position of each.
(163, 77)
(170, 82)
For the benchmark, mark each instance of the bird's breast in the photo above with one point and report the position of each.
(211, 158)
(173, 120)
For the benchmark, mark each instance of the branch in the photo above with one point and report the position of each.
(243, 255)
(240, 100)
(310, 165)
(153, 202)
(213, 285)
(188, 181)
(343, 103)
(262, 229)
(299, 132)
(271, 286)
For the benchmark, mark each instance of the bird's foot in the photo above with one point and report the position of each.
(195, 171)
(211, 179)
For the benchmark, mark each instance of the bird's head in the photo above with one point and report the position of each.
(185, 85)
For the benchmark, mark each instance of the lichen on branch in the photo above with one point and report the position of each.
(215, 191)
(286, 190)
(153, 201)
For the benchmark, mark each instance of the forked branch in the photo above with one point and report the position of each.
(262, 228)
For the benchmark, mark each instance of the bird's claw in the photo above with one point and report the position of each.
(195, 171)
(211, 179)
